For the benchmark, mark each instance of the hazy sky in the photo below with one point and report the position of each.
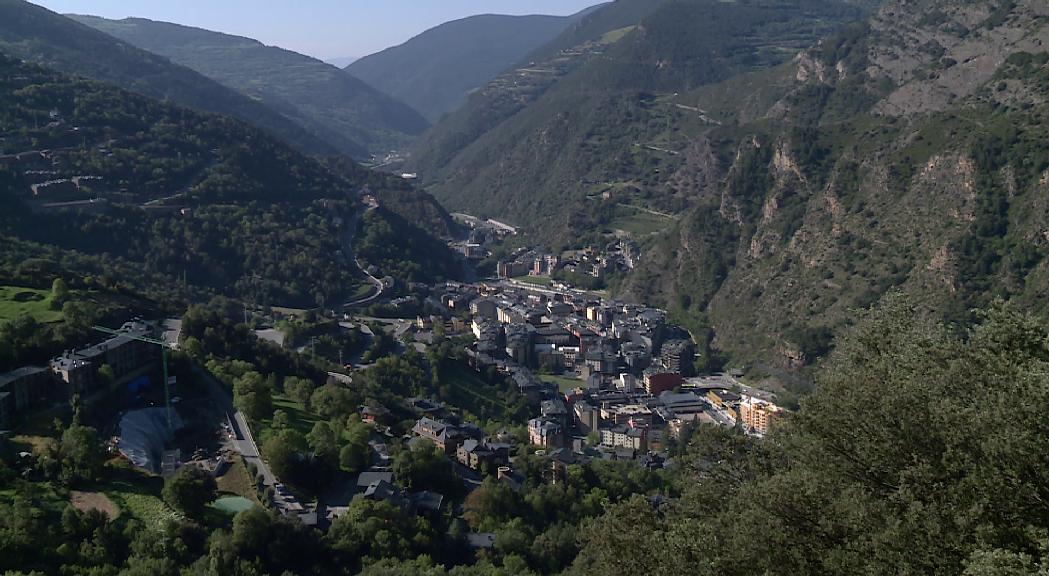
(320, 28)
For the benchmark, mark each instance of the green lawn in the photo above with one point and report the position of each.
(363, 290)
(564, 383)
(139, 495)
(637, 222)
(236, 481)
(469, 392)
(616, 35)
(16, 301)
(301, 419)
(534, 280)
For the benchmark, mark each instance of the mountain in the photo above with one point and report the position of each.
(35, 34)
(904, 153)
(436, 71)
(539, 138)
(178, 205)
(335, 107)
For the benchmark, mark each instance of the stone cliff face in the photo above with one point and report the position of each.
(900, 158)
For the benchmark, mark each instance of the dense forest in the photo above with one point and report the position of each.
(207, 202)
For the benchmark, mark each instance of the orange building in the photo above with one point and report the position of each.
(757, 415)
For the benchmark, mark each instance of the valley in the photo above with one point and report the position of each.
(660, 286)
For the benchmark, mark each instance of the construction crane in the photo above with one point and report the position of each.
(164, 346)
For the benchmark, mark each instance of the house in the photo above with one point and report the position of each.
(625, 437)
(374, 414)
(473, 454)
(381, 490)
(555, 410)
(424, 406)
(411, 502)
(443, 435)
(426, 501)
(366, 479)
(545, 433)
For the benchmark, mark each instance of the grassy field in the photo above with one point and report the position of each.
(236, 481)
(534, 280)
(301, 419)
(16, 301)
(616, 35)
(471, 393)
(564, 383)
(637, 222)
(141, 499)
(363, 290)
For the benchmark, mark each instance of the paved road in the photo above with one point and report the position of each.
(348, 248)
(243, 441)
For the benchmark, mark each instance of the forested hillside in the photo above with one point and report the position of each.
(920, 453)
(904, 152)
(436, 71)
(38, 35)
(531, 142)
(172, 203)
(353, 117)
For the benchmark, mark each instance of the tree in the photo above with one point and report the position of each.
(378, 530)
(281, 420)
(284, 451)
(190, 490)
(423, 467)
(299, 389)
(193, 348)
(331, 401)
(59, 293)
(253, 396)
(81, 454)
(106, 375)
(323, 442)
(356, 454)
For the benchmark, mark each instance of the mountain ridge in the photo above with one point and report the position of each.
(436, 70)
(355, 117)
(36, 34)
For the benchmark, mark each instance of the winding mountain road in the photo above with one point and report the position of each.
(348, 249)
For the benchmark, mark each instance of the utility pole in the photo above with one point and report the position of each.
(164, 347)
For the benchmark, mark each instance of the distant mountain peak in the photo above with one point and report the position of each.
(435, 71)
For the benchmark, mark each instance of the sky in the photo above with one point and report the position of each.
(323, 29)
